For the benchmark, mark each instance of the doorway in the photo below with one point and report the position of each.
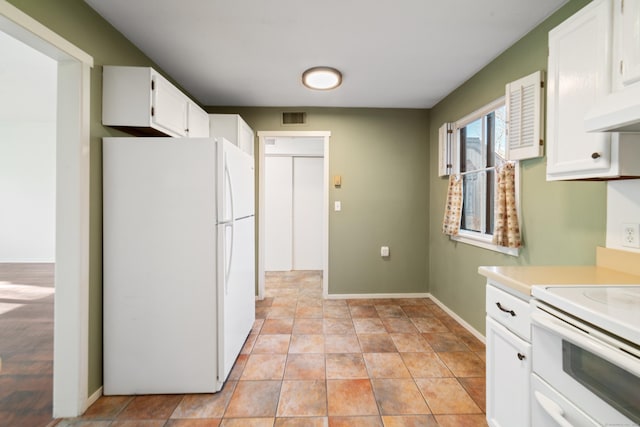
(71, 319)
(293, 194)
(27, 233)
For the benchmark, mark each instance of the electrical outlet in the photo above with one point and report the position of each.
(631, 235)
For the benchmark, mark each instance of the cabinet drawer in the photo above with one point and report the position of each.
(510, 311)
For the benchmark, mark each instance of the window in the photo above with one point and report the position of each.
(480, 140)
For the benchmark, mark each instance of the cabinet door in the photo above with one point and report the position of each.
(245, 137)
(169, 111)
(630, 41)
(278, 213)
(508, 377)
(307, 203)
(198, 122)
(579, 74)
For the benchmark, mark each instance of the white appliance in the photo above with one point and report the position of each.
(585, 356)
(179, 277)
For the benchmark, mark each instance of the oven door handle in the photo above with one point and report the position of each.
(552, 409)
(587, 342)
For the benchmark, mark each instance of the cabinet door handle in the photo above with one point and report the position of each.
(595, 156)
(511, 312)
(521, 356)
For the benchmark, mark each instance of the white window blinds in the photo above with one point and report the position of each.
(525, 113)
(445, 149)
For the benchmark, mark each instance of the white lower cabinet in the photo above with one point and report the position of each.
(508, 377)
(508, 359)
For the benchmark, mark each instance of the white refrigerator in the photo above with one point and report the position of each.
(178, 263)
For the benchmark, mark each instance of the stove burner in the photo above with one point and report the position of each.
(615, 298)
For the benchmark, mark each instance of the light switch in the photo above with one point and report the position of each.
(337, 206)
(337, 180)
(384, 251)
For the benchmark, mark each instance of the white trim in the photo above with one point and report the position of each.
(476, 239)
(71, 315)
(95, 396)
(446, 309)
(262, 135)
(71, 320)
(480, 112)
(21, 26)
(378, 296)
(459, 319)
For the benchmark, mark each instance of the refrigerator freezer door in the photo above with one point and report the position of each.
(236, 182)
(159, 266)
(236, 295)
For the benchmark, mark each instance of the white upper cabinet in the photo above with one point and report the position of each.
(579, 74)
(233, 128)
(140, 101)
(168, 107)
(628, 14)
(198, 121)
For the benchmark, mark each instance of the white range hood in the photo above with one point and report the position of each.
(617, 112)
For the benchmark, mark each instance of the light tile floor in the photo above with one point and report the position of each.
(313, 362)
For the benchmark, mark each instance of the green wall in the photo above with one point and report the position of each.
(80, 25)
(562, 222)
(382, 155)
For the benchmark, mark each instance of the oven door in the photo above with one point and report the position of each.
(550, 409)
(599, 378)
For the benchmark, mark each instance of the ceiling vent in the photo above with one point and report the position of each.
(294, 118)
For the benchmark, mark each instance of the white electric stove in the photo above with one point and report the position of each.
(585, 355)
(612, 308)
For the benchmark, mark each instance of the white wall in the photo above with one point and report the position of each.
(623, 206)
(28, 82)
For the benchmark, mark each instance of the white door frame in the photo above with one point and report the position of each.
(262, 135)
(71, 314)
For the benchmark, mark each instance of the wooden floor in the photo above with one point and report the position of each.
(26, 344)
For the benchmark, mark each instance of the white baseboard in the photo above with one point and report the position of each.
(93, 398)
(459, 319)
(376, 296)
(446, 309)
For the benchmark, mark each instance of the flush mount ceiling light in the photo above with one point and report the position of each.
(322, 78)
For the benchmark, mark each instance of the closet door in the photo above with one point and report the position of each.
(307, 212)
(278, 213)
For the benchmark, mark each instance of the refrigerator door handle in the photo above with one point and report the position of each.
(227, 269)
(230, 187)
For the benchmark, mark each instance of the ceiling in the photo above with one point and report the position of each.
(392, 53)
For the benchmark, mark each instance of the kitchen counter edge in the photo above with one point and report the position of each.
(613, 267)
